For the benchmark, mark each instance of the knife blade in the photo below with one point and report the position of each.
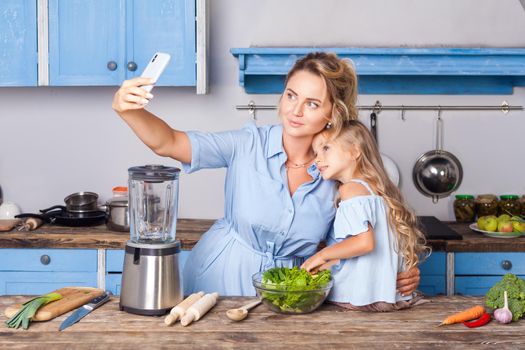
(85, 309)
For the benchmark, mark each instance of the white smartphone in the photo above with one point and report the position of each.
(155, 67)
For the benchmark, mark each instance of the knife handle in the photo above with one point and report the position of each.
(93, 304)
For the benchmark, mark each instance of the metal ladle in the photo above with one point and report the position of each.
(241, 313)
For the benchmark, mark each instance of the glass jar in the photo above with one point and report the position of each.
(486, 204)
(509, 204)
(464, 208)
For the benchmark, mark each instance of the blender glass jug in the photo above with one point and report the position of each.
(153, 203)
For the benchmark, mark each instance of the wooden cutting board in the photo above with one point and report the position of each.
(72, 298)
(8, 224)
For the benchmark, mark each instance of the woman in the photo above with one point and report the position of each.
(277, 208)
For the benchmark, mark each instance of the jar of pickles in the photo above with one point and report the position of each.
(486, 204)
(464, 208)
(509, 204)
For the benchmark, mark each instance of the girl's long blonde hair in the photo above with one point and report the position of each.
(411, 242)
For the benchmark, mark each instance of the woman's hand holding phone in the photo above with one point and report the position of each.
(136, 93)
(131, 95)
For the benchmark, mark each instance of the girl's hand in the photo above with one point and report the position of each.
(131, 96)
(407, 281)
(313, 263)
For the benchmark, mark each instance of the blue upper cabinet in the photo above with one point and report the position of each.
(18, 43)
(103, 42)
(86, 42)
(162, 26)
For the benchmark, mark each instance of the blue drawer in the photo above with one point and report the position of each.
(476, 285)
(114, 260)
(433, 285)
(489, 263)
(436, 264)
(70, 260)
(37, 283)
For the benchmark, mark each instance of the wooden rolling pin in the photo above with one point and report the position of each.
(179, 310)
(199, 309)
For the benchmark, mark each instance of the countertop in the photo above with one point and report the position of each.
(189, 232)
(327, 328)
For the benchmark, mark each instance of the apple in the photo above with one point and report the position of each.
(518, 224)
(505, 226)
(503, 217)
(491, 223)
(482, 221)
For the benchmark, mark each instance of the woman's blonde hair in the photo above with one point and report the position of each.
(341, 83)
(411, 242)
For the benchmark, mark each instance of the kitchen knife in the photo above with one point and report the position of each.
(82, 311)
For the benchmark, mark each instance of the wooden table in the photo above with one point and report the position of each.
(327, 328)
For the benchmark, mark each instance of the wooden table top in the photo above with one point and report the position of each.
(189, 232)
(328, 327)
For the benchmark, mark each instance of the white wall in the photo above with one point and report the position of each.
(56, 141)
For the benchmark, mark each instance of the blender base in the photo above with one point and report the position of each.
(132, 310)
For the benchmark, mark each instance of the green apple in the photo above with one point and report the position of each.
(504, 217)
(518, 224)
(482, 221)
(505, 226)
(491, 223)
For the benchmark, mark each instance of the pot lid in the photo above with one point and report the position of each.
(153, 173)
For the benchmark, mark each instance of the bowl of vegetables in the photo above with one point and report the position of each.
(292, 290)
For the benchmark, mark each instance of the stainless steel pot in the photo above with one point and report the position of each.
(81, 202)
(117, 210)
(437, 173)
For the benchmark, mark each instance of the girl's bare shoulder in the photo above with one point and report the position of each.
(352, 189)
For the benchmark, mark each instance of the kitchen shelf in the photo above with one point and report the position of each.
(396, 70)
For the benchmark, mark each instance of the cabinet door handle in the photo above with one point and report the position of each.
(45, 259)
(132, 66)
(112, 65)
(506, 264)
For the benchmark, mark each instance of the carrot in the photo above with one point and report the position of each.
(467, 315)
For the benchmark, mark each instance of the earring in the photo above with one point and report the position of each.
(329, 125)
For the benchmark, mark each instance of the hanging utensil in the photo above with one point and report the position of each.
(390, 166)
(437, 173)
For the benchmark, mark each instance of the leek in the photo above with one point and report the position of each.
(28, 310)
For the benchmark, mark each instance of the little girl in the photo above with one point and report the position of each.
(374, 234)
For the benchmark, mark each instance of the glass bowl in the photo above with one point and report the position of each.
(285, 300)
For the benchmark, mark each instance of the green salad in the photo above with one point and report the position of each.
(294, 290)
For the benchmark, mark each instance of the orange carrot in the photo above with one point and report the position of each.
(467, 315)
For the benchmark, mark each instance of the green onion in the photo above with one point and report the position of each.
(27, 312)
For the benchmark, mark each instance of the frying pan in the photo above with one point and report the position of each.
(437, 173)
(59, 215)
(390, 167)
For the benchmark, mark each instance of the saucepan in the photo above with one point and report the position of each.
(437, 173)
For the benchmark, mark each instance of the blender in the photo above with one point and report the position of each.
(150, 278)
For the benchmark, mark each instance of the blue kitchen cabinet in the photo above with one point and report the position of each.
(476, 273)
(115, 263)
(433, 274)
(100, 42)
(39, 271)
(18, 43)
